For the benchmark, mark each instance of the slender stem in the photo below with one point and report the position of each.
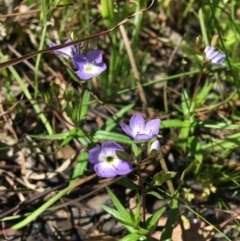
(200, 75)
(140, 182)
(172, 191)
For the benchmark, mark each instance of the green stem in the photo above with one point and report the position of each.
(172, 191)
(140, 182)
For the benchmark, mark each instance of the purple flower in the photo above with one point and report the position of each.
(68, 51)
(139, 130)
(216, 57)
(106, 162)
(90, 65)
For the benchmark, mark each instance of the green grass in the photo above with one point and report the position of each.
(149, 71)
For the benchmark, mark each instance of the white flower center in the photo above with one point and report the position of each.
(90, 68)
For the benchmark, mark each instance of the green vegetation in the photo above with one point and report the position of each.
(157, 67)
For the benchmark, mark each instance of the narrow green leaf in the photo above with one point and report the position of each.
(131, 237)
(84, 105)
(135, 150)
(206, 124)
(138, 210)
(185, 103)
(185, 130)
(201, 96)
(155, 194)
(73, 75)
(111, 122)
(132, 217)
(172, 218)
(80, 167)
(195, 148)
(108, 12)
(119, 206)
(203, 27)
(143, 231)
(69, 137)
(115, 214)
(101, 135)
(129, 226)
(171, 123)
(128, 183)
(153, 220)
(60, 136)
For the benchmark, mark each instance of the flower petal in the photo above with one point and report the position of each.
(94, 155)
(65, 51)
(97, 69)
(112, 145)
(142, 137)
(209, 51)
(94, 56)
(127, 130)
(122, 167)
(52, 45)
(137, 124)
(105, 169)
(79, 61)
(152, 127)
(82, 74)
(87, 71)
(219, 59)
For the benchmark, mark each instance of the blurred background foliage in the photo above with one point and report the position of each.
(46, 110)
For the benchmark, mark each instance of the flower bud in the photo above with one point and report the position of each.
(154, 149)
(199, 41)
(54, 89)
(69, 94)
(214, 40)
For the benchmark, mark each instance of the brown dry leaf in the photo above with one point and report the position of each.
(66, 152)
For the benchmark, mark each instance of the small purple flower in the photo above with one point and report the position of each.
(141, 131)
(90, 65)
(68, 51)
(106, 162)
(216, 57)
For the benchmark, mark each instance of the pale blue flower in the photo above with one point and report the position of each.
(141, 131)
(216, 58)
(90, 65)
(106, 162)
(68, 51)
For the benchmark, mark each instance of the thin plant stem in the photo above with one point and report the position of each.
(200, 75)
(172, 191)
(140, 182)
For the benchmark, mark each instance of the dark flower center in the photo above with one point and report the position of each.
(109, 158)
